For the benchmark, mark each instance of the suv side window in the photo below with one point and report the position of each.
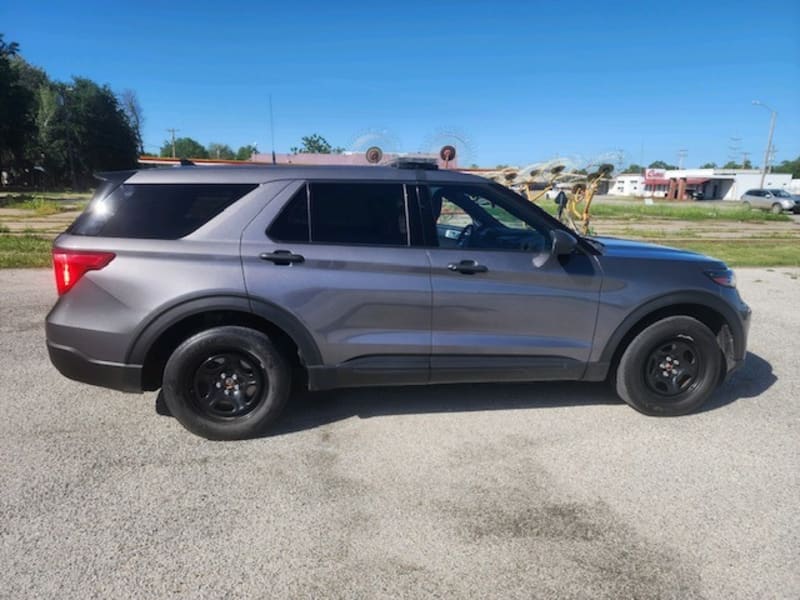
(359, 213)
(345, 213)
(156, 211)
(478, 217)
(292, 224)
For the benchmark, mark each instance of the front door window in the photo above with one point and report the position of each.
(479, 218)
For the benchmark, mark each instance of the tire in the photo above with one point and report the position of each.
(776, 209)
(746, 205)
(684, 349)
(203, 386)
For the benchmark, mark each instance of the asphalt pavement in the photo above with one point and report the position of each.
(479, 491)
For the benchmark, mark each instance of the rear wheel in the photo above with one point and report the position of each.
(746, 205)
(670, 368)
(776, 209)
(226, 383)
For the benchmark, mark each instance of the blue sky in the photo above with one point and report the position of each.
(520, 81)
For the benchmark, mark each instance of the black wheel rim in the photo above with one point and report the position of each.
(228, 385)
(673, 367)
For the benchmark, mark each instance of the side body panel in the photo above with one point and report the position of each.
(355, 301)
(542, 317)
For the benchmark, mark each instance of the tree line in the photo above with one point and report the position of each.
(186, 147)
(57, 134)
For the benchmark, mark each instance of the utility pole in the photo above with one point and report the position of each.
(734, 148)
(745, 159)
(682, 153)
(773, 115)
(172, 131)
(272, 130)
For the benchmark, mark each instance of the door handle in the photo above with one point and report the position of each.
(282, 257)
(468, 267)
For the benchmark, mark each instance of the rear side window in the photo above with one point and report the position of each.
(292, 224)
(345, 213)
(157, 211)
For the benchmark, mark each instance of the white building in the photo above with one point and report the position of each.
(708, 184)
(627, 184)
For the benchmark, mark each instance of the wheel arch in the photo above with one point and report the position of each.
(163, 334)
(710, 310)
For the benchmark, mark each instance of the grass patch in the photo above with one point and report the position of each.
(746, 253)
(19, 251)
(694, 212)
(43, 205)
(687, 212)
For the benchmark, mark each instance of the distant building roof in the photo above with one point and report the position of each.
(343, 158)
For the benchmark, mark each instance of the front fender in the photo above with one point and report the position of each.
(696, 298)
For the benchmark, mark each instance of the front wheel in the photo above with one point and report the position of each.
(226, 383)
(776, 209)
(670, 368)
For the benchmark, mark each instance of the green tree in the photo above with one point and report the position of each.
(246, 152)
(132, 110)
(732, 164)
(789, 166)
(185, 147)
(96, 131)
(71, 130)
(634, 168)
(222, 151)
(315, 144)
(709, 165)
(17, 107)
(660, 164)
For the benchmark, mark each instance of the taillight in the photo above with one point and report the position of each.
(71, 265)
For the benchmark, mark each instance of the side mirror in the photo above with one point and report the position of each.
(562, 243)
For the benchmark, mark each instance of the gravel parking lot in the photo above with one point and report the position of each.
(482, 491)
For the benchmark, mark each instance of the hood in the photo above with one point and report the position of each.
(619, 248)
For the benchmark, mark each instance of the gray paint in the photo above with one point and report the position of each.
(354, 306)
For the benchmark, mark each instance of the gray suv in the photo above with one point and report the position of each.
(224, 285)
(773, 200)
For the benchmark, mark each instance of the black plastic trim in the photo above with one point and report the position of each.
(75, 365)
(467, 369)
(422, 369)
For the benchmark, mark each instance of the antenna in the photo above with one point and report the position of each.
(272, 129)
